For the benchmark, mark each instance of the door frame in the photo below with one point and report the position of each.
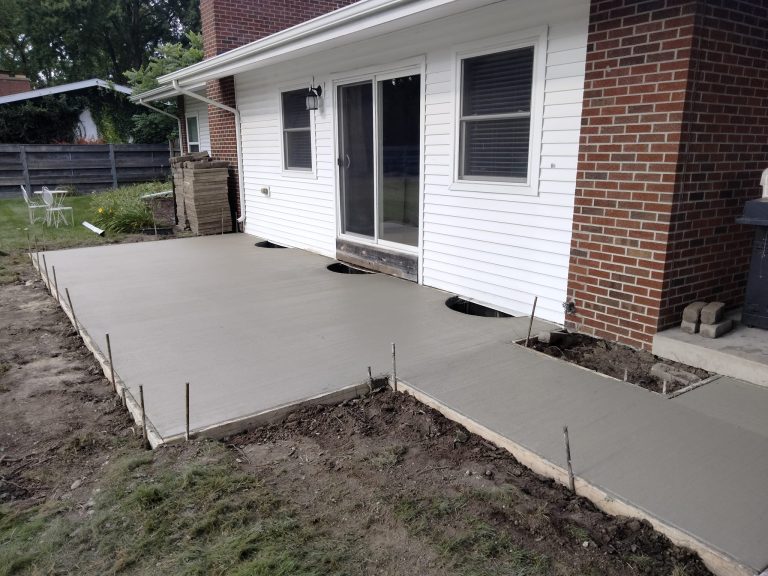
(375, 74)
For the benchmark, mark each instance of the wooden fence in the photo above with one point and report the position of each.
(85, 167)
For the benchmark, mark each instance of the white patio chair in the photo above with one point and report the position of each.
(32, 206)
(56, 213)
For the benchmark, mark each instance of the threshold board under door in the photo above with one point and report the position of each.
(380, 259)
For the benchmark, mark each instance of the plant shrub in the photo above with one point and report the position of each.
(123, 210)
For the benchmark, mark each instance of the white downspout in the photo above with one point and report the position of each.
(236, 112)
(164, 113)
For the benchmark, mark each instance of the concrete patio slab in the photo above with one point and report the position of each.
(740, 403)
(255, 329)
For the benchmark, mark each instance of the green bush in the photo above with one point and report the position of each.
(123, 210)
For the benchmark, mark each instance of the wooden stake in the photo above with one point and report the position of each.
(29, 244)
(47, 278)
(56, 285)
(111, 364)
(394, 367)
(72, 309)
(530, 323)
(39, 268)
(571, 482)
(186, 399)
(122, 397)
(143, 416)
(370, 379)
(626, 374)
(664, 388)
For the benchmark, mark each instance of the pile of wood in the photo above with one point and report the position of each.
(202, 200)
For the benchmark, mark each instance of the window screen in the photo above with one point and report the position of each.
(193, 138)
(496, 115)
(297, 135)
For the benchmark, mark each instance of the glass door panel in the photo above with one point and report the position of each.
(399, 102)
(356, 159)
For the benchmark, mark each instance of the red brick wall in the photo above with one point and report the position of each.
(662, 169)
(13, 84)
(723, 153)
(228, 24)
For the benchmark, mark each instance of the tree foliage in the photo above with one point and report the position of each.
(151, 126)
(59, 41)
(40, 121)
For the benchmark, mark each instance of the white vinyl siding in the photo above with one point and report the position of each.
(502, 249)
(194, 107)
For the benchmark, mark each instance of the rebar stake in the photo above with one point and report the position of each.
(394, 367)
(186, 401)
(530, 323)
(56, 285)
(571, 482)
(72, 309)
(143, 417)
(111, 364)
(47, 278)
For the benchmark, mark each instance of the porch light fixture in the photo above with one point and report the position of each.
(313, 97)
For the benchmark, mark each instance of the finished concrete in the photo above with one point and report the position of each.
(253, 329)
(741, 353)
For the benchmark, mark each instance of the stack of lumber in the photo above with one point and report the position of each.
(202, 200)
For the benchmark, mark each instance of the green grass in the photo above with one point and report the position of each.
(152, 516)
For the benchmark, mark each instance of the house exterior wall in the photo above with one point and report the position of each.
(228, 24)
(13, 84)
(194, 107)
(670, 149)
(502, 248)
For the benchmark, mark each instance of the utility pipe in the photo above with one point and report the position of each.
(236, 113)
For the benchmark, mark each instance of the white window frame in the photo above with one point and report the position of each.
(530, 187)
(297, 172)
(186, 125)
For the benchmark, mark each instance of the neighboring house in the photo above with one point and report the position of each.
(86, 128)
(593, 154)
(13, 83)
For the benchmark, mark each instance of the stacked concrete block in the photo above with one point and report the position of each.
(707, 319)
(202, 199)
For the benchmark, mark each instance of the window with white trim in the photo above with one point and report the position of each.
(495, 116)
(193, 134)
(297, 131)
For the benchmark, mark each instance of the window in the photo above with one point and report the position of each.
(193, 135)
(495, 117)
(297, 132)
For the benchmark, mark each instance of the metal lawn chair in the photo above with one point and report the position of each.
(32, 206)
(56, 213)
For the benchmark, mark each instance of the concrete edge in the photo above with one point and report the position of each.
(121, 389)
(271, 415)
(718, 562)
(710, 359)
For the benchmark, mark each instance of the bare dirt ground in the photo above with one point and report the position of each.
(615, 360)
(378, 485)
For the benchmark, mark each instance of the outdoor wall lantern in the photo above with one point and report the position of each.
(313, 97)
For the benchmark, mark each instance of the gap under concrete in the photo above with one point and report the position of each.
(256, 329)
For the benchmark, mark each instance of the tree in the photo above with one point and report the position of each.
(151, 126)
(57, 41)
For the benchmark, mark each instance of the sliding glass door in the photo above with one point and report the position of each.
(379, 159)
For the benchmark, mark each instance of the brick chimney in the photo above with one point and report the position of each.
(13, 83)
(228, 24)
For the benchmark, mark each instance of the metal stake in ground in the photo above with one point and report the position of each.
(47, 278)
(370, 379)
(111, 364)
(143, 417)
(56, 285)
(394, 367)
(186, 401)
(72, 309)
(530, 323)
(571, 482)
